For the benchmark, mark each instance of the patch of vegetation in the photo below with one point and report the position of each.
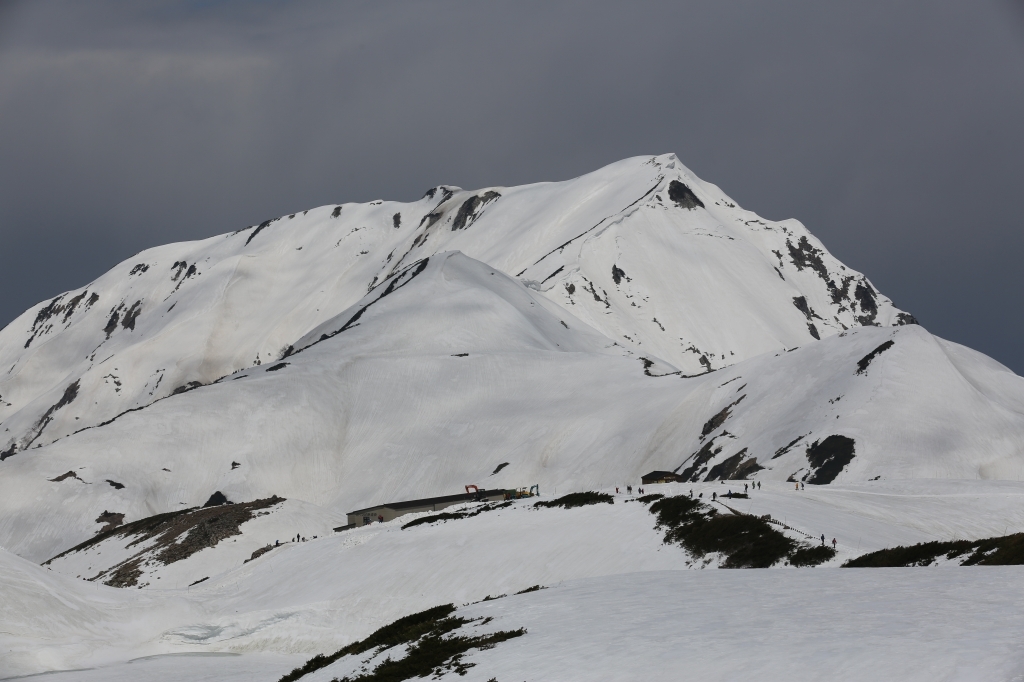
(1007, 550)
(430, 651)
(453, 516)
(742, 540)
(812, 556)
(577, 500)
(649, 498)
(531, 589)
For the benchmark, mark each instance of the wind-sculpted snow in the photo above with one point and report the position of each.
(642, 251)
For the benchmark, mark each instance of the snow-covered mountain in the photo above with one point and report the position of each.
(642, 251)
(450, 369)
(575, 335)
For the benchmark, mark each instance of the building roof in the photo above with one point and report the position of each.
(467, 497)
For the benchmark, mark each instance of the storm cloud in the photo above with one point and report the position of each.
(892, 130)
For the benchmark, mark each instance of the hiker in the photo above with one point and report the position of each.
(629, 490)
(822, 539)
(802, 487)
(797, 486)
(616, 490)
(277, 543)
(759, 485)
(701, 496)
(380, 518)
(714, 496)
(833, 544)
(744, 488)
(691, 493)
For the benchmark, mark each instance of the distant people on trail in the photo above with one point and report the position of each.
(802, 485)
(616, 490)
(691, 493)
(701, 495)
(380, 518)
(640, 490)
(822, 539)
(759, 485)
(629, 490)
(714, 496)
(744, 488)
(796, 486)
(833, 543)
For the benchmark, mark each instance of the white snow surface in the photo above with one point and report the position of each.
(700, 287)
(352, 355)
(317, 596)
(451, 368)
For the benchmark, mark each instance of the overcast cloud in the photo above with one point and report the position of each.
(893, 130)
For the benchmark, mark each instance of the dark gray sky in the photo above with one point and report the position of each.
(893, 130)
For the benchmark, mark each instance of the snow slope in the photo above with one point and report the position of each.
(319, 595)
(642, 250)
(754, 625)
(575, 335)
(450, 368)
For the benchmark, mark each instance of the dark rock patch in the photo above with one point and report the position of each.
(812, 330)
(259, 228)
(139, 269)
(499, 468)
(553, 274)
(804, 255)
(429, 219)
(801, 304)
(110, 519)
(235, 465)
(719, 419)
(201, 528)
(274, 368)
(336, 212)
(683, 196)
(618, 274)
(467, 213)
(785, 448)
(862, 364)
(700, 458)
(65, 476)
(216, 499)
(577, 500)
(115, 485)
(828, 458)
(906, 318)
(571, 288)
(115, 316)
(190, 386)
(460, 355)
(865, 296)
(128, 322)
(735, 468)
